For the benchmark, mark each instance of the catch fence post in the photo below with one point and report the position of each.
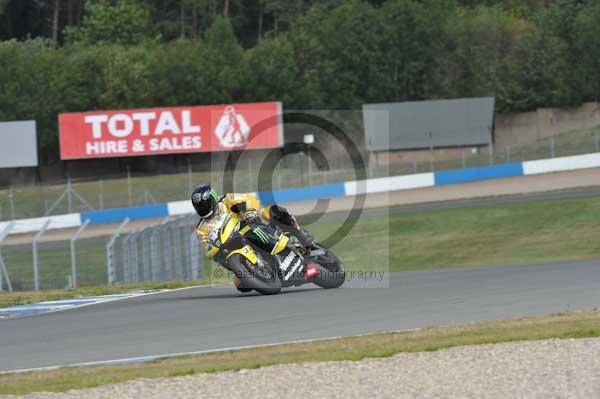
(146, 235)
(110, 255)
(36, 269)
(11, 201)
(74, 252)
(177, 252)
(166, 250)
(69, 195)
(3, 270)
(101, 195)
(134, 270)
(186, 250)
(126, 257)
(196, 257)
(189, 173)
(129, 188)
(431, 154)
(154, 251)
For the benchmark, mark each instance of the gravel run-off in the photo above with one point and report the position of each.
(568, 368)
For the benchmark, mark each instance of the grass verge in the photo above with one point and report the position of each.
(517, 233)
(565, 325)
(22, 298)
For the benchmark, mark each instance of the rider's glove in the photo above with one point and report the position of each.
(250, 216)
(203, 237)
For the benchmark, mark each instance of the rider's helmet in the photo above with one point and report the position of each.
(204, 200)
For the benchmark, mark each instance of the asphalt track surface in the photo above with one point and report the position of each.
(209, 318)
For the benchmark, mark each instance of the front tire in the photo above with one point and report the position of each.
(257, 277)
(332, 274)
(331, 278)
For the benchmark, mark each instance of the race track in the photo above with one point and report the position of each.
(208, 318)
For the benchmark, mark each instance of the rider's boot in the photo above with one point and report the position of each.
(280, 218)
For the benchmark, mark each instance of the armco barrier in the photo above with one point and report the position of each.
(475, 174)
(394, 183)
(561, 164)
(370, 186)
(119, 214)
(31, 225)
(302, 193)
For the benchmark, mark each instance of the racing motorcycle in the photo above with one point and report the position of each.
(267, 272)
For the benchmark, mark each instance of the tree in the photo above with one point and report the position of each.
(410, 50)
(486, 55)
(224, 56)
(272, 73)
(541, 79)
(587, 45)
(126, 22)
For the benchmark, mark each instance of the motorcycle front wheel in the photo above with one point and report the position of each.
(257, 277)
(332, 274)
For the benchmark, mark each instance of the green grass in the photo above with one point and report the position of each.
(567, 325)
(525, 232)
(55, 264)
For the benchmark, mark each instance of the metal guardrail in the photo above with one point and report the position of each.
(73, 282)
(163, 252)
(3, 272)
(36, 268)
(160, 252)
(110, 254)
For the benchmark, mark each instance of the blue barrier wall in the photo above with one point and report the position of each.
(302, 193)
(322, 191)
(479, 173)
(119, 214)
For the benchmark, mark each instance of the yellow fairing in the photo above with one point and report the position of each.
(251, 201)
(266, 213)
(281, 243)
(229, 228)
(247, 252)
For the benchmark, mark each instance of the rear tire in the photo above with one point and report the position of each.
(254, 277)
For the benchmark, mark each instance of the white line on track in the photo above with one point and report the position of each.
(118, 297)
(151, 358)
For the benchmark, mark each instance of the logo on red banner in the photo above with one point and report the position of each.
(103, 134)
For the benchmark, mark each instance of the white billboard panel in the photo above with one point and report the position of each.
(18, 144)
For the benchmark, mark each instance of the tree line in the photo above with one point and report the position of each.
(102, 54)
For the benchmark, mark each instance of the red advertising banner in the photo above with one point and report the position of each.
(156, 131)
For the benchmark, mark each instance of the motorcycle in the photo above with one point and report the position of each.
(285, 265)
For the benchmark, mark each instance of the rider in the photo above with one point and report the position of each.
(212, 209)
